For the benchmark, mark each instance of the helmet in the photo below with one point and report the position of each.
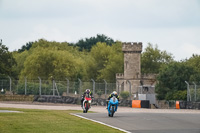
(87, 91)
(114, 92)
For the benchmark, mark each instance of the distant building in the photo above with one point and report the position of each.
(132, 71)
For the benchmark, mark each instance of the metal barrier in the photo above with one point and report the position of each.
(54, 87)
(193, 92)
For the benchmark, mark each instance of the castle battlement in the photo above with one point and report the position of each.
(119, 75)
(132, 47)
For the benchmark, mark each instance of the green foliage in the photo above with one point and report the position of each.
(176, 95)
(6, 61)
(194, 62)
(87, 43)
(32, 88)
(48, 59)
(99, 93)
(124, 94)
(60, 60)
(171, 79)
(20, 59)
(99, 57)
(114, 64)
(25, 47)
(153, 59)
(105, 61)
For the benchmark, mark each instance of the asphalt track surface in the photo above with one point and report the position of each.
(150, 122)
(131, 119)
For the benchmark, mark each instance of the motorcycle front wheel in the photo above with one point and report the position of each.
(112, 111)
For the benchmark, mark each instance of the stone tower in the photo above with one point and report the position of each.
(132, 67)
(132, 55)
(132, 80)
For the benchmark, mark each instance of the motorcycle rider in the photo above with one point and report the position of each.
(87, 93)
(114, 93)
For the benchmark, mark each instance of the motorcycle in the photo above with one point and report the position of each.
(112, 106)
(86, 104)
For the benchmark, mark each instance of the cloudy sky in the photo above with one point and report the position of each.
(174, 25)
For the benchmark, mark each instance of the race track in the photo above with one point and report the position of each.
(150, 122)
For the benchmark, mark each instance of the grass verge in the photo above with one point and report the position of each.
(48, 121)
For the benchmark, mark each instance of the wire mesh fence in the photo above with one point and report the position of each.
(194, 93)
(53, 87)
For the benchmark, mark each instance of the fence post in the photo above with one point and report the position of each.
(53, 87)
(105, 87)
(67, 85)
(195, 91)
(93, 86)
(10, 83)
(40, 87)
(117, 86)
(25, 84)
(129, 88)
(80, 86)
(188, 91)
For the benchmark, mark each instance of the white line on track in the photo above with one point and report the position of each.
(101, 123)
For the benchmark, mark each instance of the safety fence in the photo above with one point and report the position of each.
(54, 87)
(193, 92)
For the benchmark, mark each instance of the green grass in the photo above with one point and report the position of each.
(48, 121)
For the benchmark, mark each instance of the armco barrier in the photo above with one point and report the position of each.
(140, 104)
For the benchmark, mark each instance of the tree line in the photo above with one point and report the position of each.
(97, 58)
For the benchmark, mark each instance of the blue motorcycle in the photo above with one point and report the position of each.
(112, 106)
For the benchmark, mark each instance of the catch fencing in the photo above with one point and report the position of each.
(193, 92)
(54, 87)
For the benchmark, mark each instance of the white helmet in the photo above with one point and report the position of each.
(114, 92)
(87, 91)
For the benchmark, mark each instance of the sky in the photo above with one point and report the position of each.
(172, 25)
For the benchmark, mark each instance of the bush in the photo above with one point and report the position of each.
(176, 95)
(33, 88)
(124, 94)
(99, 93)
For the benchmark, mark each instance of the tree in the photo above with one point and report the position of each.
(99, 57)
(105, 61)
(25, 47)
(194, 62)
(114, 65)
(45, 62)
(87, 43)
(171, 81)
(20, 59)
(153, 59)
(6, 61)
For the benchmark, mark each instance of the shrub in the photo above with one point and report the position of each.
(176, 95)
(99, 93)
(124, 94)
